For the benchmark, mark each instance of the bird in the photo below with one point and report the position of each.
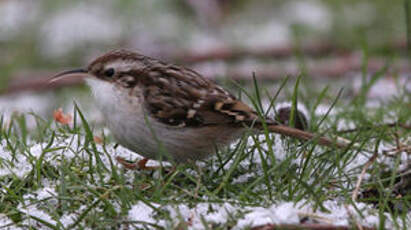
(164, 111)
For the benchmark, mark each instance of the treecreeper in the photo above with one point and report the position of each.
(165, 111)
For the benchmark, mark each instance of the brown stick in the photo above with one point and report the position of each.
(38, 83)
(332, 68)
(361, 176)
(313, 49)
(228, 53)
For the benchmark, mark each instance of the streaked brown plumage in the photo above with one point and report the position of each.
(167, 111)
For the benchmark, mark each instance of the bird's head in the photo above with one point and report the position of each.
(110, 67)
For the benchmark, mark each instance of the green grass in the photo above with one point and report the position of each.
(89, 186)
(257, 171)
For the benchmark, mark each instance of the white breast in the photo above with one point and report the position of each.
(134, 129)
(123, 114)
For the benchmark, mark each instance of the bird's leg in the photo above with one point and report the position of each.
(127, 164)
(141, 164)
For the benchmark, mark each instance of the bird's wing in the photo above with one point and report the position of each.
(179, 96)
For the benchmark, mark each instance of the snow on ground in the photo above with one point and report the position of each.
(281, 213)
(384, 89)
(6, 223)
(23, 104)
(11, 165)
(310, 12)
(32, 211)
(44, 198)
(82, 23)
(142, 212)
(21, 166)
(15, 15)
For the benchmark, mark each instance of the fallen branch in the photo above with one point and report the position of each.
(313, 49)
(229, 53)
(38, 83)
(320, 69)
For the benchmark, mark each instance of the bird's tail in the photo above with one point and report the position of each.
(306, 136)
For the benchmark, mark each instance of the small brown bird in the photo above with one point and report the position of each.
(165, 111)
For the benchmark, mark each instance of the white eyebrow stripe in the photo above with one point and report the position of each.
(124, 65)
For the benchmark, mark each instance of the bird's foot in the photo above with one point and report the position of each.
(141, 164)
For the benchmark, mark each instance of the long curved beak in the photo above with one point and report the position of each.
(70, 73)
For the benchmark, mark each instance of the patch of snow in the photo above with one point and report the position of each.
(384, 89)
(75, 26)
(14, 15)
(322, 109)
(142, 212)
(243, 178)
(22, 165)
(282, 213)
(309, 12)
(344, 124)
(7, 224)
(45, 193)
(25, 103)
(68, 219)
(213, 213)
(18, 166)
(277, 147)
(32, 211)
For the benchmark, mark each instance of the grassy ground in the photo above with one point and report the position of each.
(62, 177)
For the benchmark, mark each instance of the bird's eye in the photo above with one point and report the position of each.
(109, 72)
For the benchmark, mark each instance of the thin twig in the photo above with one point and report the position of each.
(358, 225)
(361, 176)
(400, 147)
(316, 216)
(393, 152)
